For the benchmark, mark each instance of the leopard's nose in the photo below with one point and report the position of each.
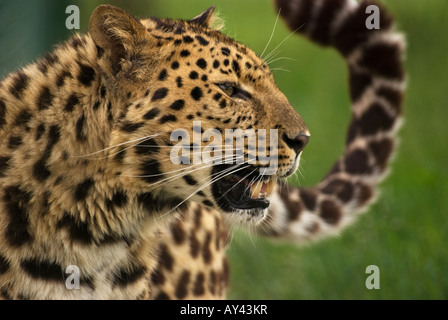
(298, 142)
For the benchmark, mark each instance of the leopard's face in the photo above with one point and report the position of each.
(208, 123)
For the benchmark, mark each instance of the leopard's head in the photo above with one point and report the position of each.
(202, 118)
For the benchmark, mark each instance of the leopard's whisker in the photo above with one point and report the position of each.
(283, 41)
(204, 186)
(178, 175)
(230, 157)
(117, 145)
(272, 34)
(239, 181)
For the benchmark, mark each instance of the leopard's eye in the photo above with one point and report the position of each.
(227, 89)
(233, 91)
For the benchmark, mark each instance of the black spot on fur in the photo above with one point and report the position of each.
(119, 198)
(163, 75)
(72, 101)
(222, 103)
(61, 78)
(16, 203)
(178, 232)
(40, 131)
(2, 113)
(375, 119)
(14, 142)
(182, 285)
(4, 165)
(151, 114)
(80, 135)
(225, 51)
(23, 118)
(157, 277)
(179, 82)
(86, 74)
(184, 53)
(330, 212)
(44, 99)
(202, 41)
(193, 75)
(175, 65)
(162, 296)
(359, 81)
(201, 63)
(4, 264)
(99, 52)
(40, 170)
(383, 59)
(216, 64)
(153, 205)
(340, 188)
(151, 171)
(309, 198)
(78, 230)
(19, 83)
(190, 180)
(207, 203)
(177, 105)
(323, 21)
(82, 190)
(168, 118)
(196, 93)
(43, 269)
(206, 250)
(382, 151)
(198, 288)
(356, 162)
(236, 67)
(96, 105)
(194, 244)
(165, 258)
(159, 94)
(131, 127)
(188, 39)
(128, 275)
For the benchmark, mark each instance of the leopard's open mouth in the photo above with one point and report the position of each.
(243, 189)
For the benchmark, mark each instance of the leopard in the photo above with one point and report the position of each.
(93, 204)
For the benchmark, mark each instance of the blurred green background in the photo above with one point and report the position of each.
(405, 233)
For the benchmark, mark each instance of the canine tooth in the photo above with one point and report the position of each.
(255, 189)
(270, 186)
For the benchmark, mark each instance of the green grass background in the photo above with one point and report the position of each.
(405, 233)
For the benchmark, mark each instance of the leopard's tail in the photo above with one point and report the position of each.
(376, 77)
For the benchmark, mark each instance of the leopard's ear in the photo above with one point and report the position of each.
(117, 35)
(205, 18)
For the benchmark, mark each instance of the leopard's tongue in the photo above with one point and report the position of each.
(262, 189)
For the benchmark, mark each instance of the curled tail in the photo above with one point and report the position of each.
(376, 77)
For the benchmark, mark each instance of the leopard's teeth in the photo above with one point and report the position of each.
(270, 185)
(255, 189)
(262, 189)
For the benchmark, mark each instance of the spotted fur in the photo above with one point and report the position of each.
(85, 176)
